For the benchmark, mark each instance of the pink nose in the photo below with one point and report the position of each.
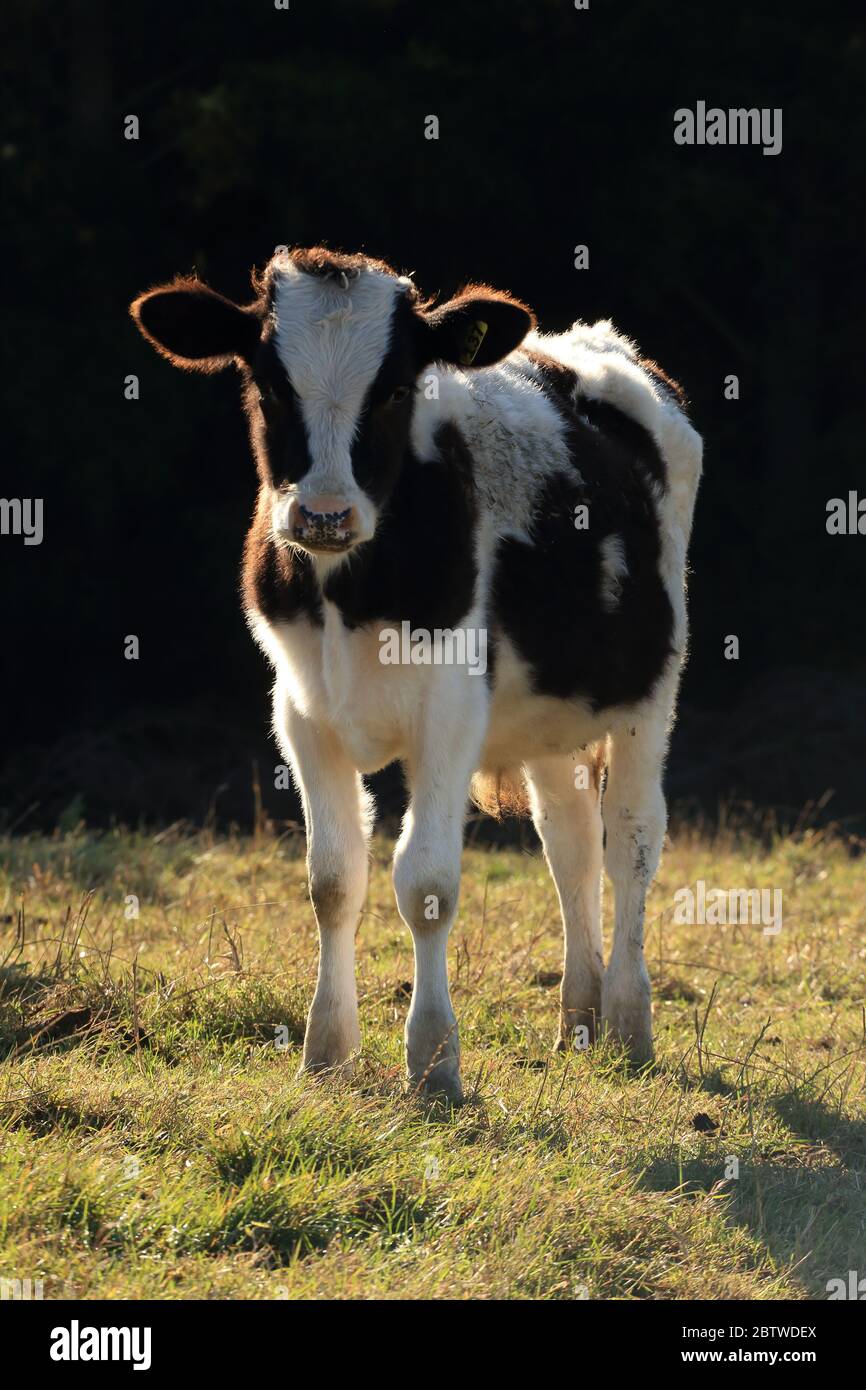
(325, 522)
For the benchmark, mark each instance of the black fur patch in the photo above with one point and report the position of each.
(616, 426)
(277, 431)
(420, 565)
(547, 591)
(278, 580)
(577, 409)
(382, 435)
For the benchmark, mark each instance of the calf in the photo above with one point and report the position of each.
(497, 490)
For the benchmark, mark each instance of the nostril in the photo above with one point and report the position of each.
(323, 522)
(320, 519)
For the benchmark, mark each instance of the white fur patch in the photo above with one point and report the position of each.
(332, 341)
(513, 430)
(613, 571)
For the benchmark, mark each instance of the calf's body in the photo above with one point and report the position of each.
(452, 476)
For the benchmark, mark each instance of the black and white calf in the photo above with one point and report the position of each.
(451, 468)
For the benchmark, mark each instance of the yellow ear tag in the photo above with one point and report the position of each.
(474, 338)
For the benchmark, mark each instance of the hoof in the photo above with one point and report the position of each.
(439, 1084)
(433, 1057)
(627, 1013)
(578, 1029)
(322, 1068)
(633, 1036)
(332, 1039)
(640, 1051)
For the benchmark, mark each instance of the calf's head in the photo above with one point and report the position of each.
(330, 353)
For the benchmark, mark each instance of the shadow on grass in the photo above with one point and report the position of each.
(19, 982)
(821, 1124)
(810, 1219)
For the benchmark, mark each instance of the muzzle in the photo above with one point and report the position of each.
(325, 523)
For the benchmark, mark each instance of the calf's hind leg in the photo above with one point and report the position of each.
(564, 796)
(635, 819)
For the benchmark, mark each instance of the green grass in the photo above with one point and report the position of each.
(156, 1142)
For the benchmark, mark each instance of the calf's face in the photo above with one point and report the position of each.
(330, 353)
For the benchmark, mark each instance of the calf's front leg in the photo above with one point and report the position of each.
(427, 875)
(337, 813)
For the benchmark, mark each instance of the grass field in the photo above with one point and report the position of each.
(156, 1141)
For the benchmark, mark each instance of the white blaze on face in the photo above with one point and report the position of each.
(332, 342)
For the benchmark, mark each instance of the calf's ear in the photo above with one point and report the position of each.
(476, 328)
(196, 328)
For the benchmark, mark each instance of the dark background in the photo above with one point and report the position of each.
(261, 127)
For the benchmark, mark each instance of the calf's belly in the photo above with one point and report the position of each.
(538, 726)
